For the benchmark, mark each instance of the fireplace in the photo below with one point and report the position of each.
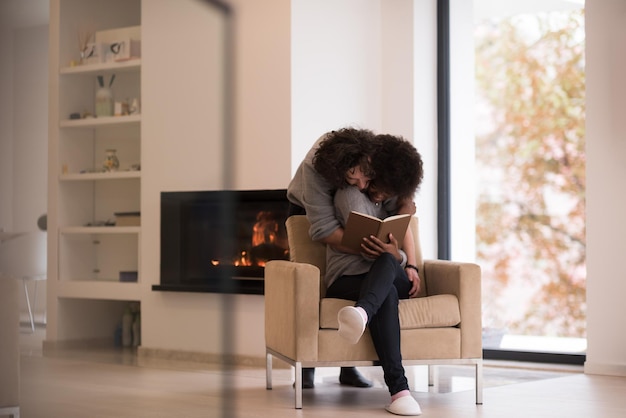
(219, 241)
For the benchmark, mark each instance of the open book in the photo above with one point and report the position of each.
(360, 225)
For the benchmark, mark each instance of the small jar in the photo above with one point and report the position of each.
(104, 102)
(111, 163)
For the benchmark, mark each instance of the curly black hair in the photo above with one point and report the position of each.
(342, 150)
(398, 166)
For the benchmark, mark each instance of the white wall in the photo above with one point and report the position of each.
(6, 129)
(425, 118)
(30, 126)
(462, 132)
(372, 66)
(183, 150)
(606, 202)
(398, 60)
(336, 80)
(262, 93)
(23, 114)
(24, 137)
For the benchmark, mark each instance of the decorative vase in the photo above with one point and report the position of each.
(111, 163)
(104, 102)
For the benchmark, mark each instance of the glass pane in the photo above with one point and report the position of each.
(530, 143)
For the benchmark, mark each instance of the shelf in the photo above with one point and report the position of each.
(98, 289)
(85, 293)
(85, 230)
(116, 175)
(131, 65)
(101, 121)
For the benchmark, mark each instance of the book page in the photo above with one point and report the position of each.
(358, 226)
(395, 225)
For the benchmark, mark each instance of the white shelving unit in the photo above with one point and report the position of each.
(99, 230)
(103, 68)
(100, 176)
(101, 121)
(86, 252)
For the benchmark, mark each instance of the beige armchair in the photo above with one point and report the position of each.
(441, 326)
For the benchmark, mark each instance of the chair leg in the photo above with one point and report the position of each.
(268, 371)
(479, 382)
(298, 385)
(30, 311)
(34, 303)
(433, 376)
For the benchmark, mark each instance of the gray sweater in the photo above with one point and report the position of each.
(346, 200)
(311, 191)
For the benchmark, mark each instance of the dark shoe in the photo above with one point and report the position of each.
(308, 378)
(350, 376)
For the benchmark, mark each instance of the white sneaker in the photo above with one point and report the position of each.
(405, 405)
(351, 324)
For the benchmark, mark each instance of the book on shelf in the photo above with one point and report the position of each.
(127, 219)
(360, 225)
(128, 276)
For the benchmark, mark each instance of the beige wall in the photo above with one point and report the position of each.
(262, 82)
(183, 149)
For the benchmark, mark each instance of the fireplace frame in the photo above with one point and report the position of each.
(189, 222)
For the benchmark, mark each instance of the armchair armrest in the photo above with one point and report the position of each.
(292, 295)
(464, 281)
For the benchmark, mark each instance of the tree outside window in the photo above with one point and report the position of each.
(530, 101)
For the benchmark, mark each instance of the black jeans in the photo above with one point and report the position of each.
(379, 292)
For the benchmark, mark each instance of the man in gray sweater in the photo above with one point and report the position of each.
(338, 159)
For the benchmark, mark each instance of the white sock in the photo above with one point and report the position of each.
(351, 323)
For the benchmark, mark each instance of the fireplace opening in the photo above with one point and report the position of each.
(219, 241)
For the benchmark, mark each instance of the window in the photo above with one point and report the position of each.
(530, 191)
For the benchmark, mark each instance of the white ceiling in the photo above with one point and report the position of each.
(23, 13)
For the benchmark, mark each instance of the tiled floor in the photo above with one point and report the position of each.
(98, 383)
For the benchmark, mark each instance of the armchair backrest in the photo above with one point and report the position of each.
(302, 249)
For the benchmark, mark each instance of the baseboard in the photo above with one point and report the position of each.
(49, 345)
(605, 369)
(147, 353)
(203, 357)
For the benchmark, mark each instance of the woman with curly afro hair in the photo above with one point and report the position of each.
(398, 167)
(384, 272)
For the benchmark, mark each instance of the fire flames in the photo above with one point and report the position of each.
(266, 243)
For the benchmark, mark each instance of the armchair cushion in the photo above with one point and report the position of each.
(426, 312)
